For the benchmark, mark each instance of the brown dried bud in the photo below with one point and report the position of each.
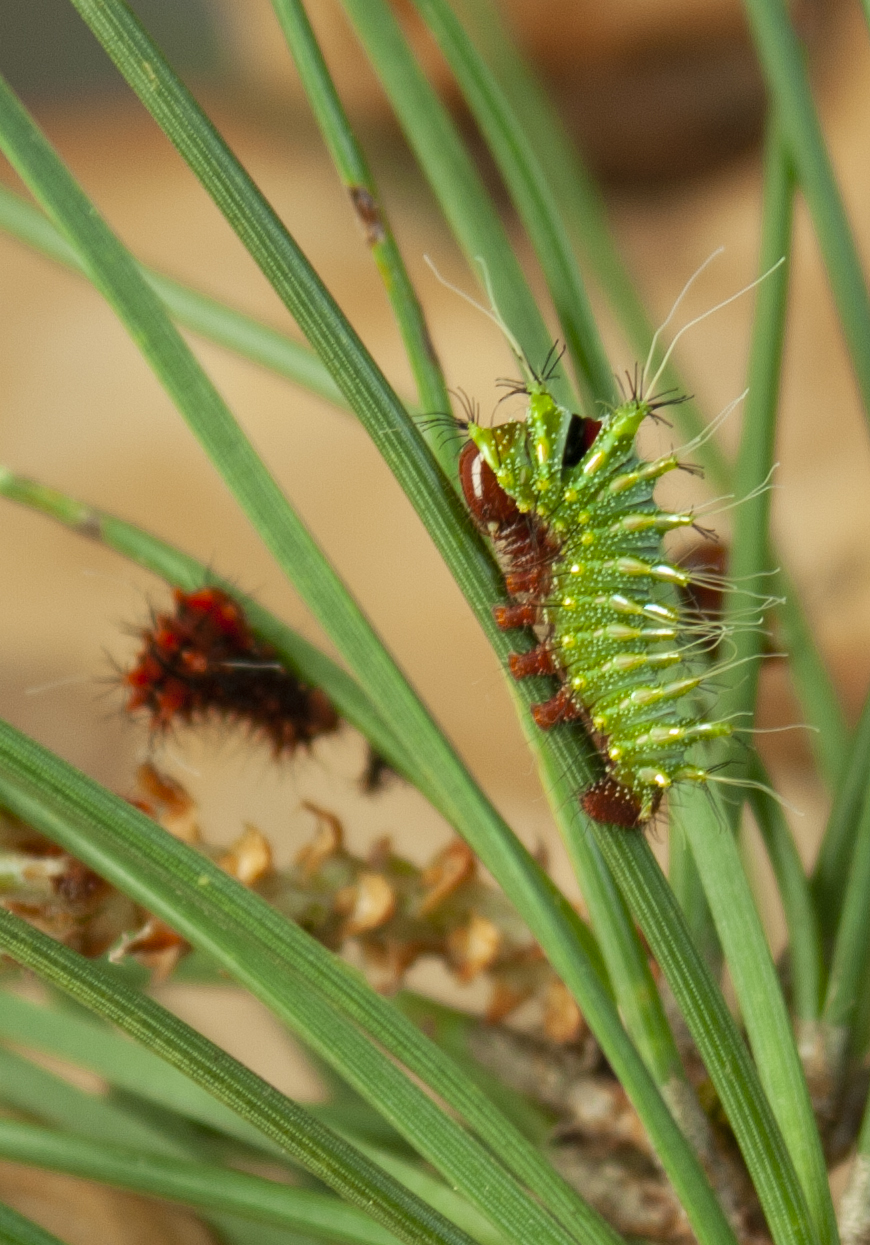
(505, 998)
(380, 854)
(78, 885)
(155, 945)
(374, 902)
(474, 947)
(390, 960)
(249, 858)
(328, 842)
(448, 871)
(563, 1021)
(173, 807)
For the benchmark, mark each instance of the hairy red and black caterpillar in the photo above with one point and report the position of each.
(204, 661)
(580, 540)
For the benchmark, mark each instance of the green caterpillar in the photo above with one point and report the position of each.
(580, 539)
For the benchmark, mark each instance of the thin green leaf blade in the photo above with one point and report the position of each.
(291, 973)
(523, 175)
(453, 177)
(804, 938)
(832, 871)
(749, 558)
(122, 1063)
(326, 1155)
(28, 1087)
(712, 1027)
(16, 1230)
(355, 174)
(813, 684)
(110, 1118)
(213, 320)
(751, 965)
(851, 953)
(783, 64)
(201, 1185)
(626, 960)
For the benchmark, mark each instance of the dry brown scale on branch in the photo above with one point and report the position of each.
(57, 893)
(395, 911)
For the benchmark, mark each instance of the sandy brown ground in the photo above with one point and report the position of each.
(82, 412)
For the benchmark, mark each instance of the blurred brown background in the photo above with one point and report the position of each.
(666, 101)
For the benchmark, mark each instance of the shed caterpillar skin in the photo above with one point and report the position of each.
(203, 660)
(579, 537)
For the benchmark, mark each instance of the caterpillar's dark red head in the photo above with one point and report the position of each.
(484, 496)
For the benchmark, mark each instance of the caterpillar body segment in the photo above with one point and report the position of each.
(579, 537)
